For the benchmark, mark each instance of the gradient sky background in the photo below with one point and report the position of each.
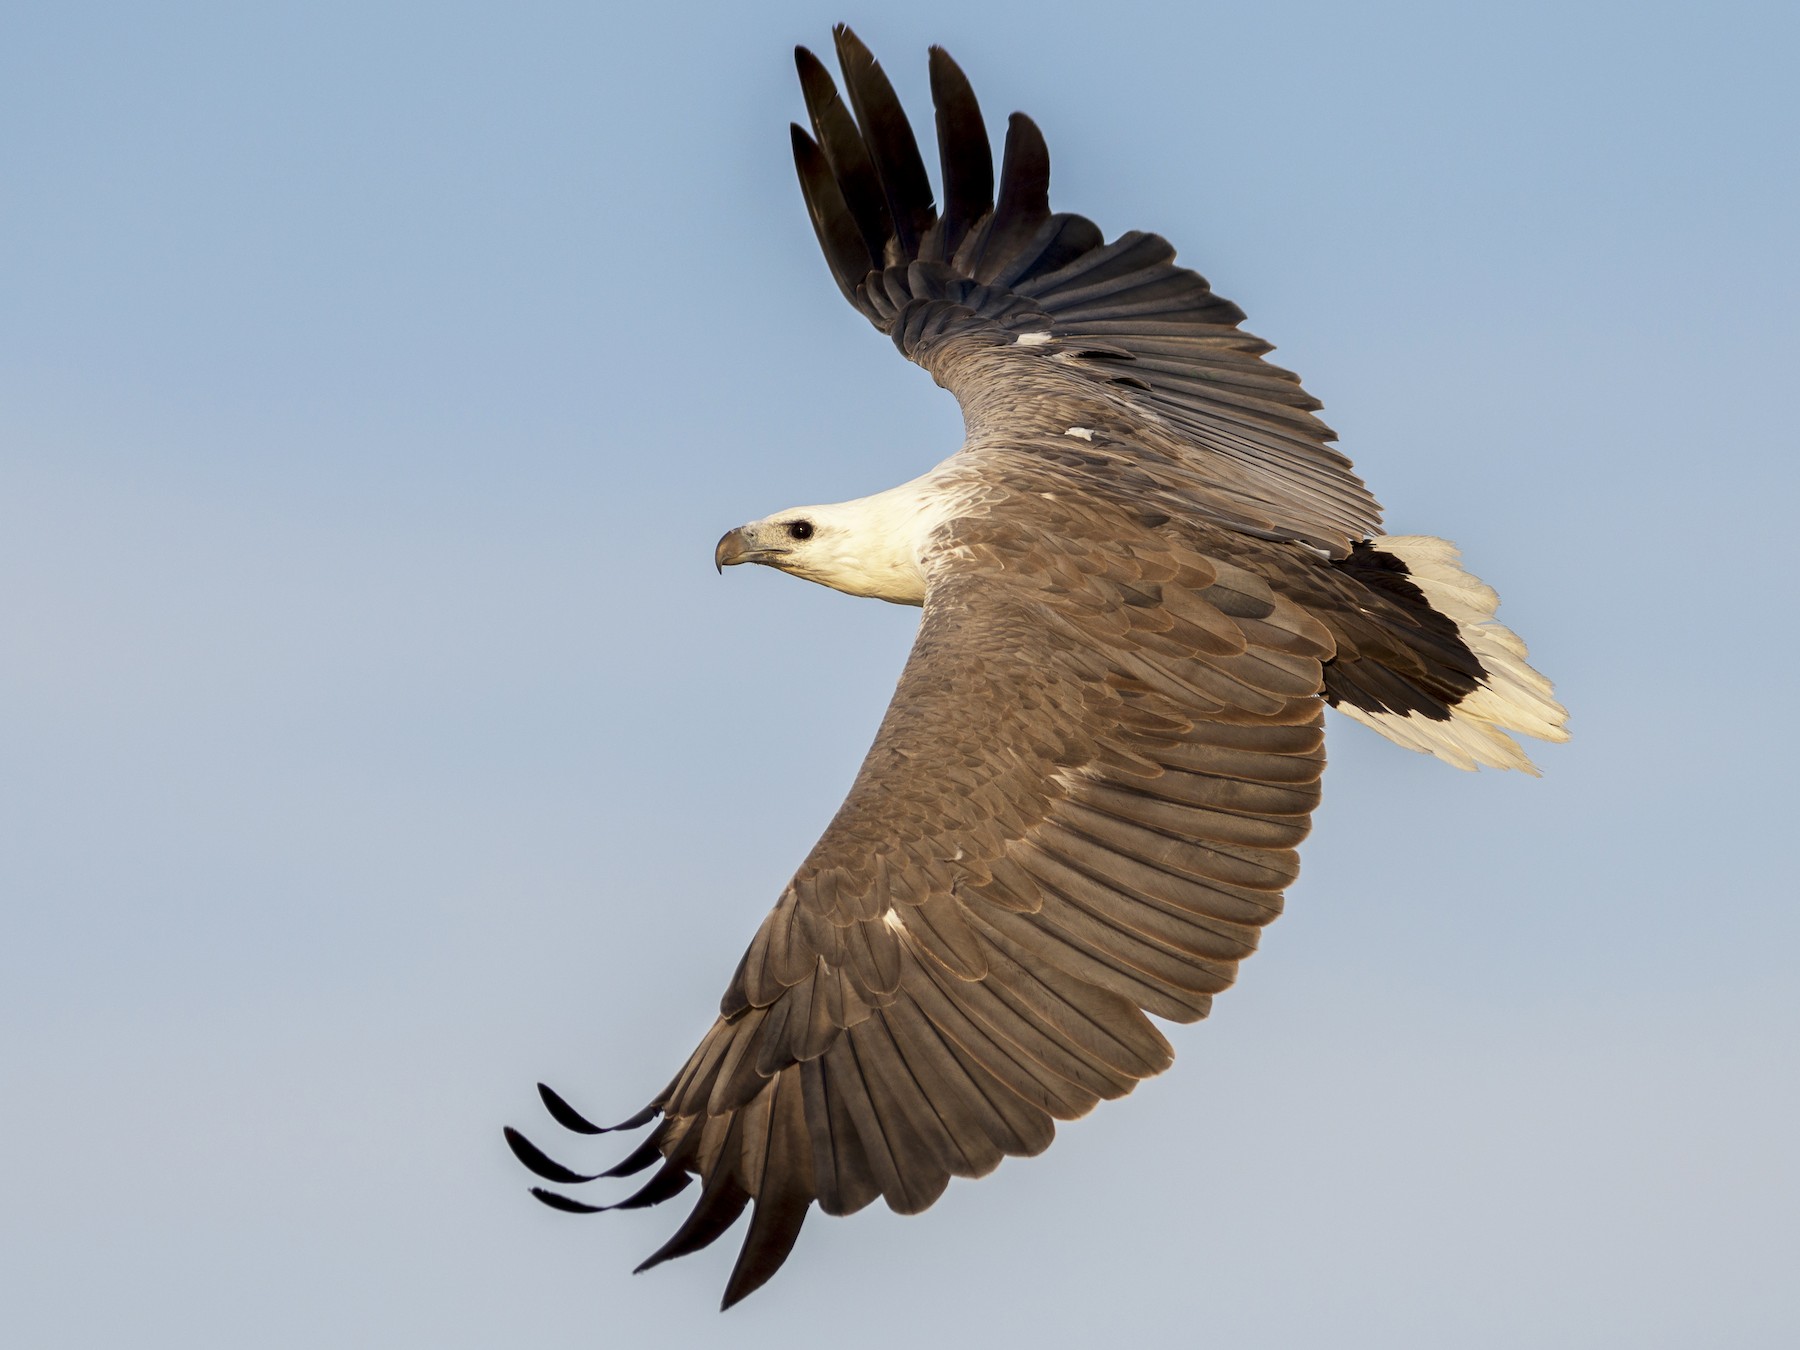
(374, 381)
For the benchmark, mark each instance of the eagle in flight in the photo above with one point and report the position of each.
(1143, 576)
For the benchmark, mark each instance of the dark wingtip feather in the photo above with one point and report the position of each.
(540, 1162)
(638, 1159)
(1023, 205)
(774, 1227)
(667, 1183)
(814, 78)
(889, 139)
(571, 1119)
(844, 39)
(840, 238)
(716, 1210)
(1025, 171)
(785, 1196)
(670, 1180)
(563, 1203)
(564, 1114)
(965, 157)
(846, 155)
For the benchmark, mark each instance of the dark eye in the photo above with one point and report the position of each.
(800, 529)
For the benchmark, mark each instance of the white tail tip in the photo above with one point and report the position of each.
(1513, 697)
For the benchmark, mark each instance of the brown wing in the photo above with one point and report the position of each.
(1081, 807)
(1035, 323)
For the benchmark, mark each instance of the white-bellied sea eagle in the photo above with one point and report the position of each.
(1143, 576)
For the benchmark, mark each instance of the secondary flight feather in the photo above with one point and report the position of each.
(1144, 576)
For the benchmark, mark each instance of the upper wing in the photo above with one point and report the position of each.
(1035, 323)
(1082, 805)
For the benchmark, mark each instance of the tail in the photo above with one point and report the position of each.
(1471, 704)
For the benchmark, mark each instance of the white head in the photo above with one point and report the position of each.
(871, 546)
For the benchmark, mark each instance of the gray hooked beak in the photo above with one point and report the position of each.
(738, 546)
(731, 550)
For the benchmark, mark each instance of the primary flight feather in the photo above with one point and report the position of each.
(1144, 575)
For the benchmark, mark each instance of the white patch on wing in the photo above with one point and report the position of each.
(1031, 339)
(893, 920)
(1080, 433)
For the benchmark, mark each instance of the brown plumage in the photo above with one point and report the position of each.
(1143, 577)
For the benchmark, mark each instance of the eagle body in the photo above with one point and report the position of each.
(1142, 578)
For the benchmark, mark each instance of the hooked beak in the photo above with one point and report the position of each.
(737, 547)
(731, 550)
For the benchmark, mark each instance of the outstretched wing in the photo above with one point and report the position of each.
(1032, 320)
(1081, 807)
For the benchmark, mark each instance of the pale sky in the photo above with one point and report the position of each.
(374, 382)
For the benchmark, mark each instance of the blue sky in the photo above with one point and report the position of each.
(374, 381)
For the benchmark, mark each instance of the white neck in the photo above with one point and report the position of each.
(873, 546)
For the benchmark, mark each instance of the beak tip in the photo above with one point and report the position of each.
(730, 550)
